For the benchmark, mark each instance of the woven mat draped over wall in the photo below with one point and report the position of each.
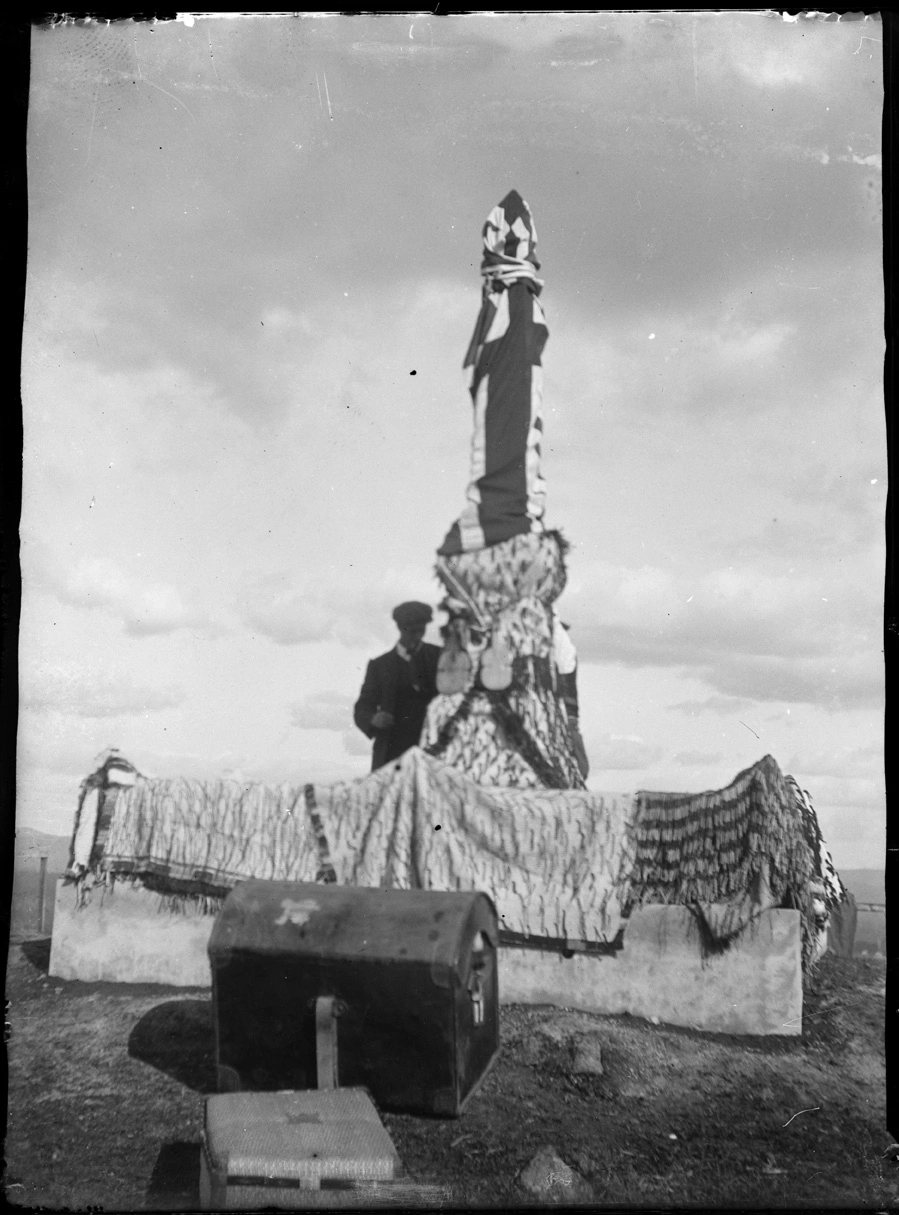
(558, 864)
(552, 861)
(744, 847)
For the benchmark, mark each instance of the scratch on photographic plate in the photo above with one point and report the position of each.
(168, 94)
(798, 1112)
(90, 134)
(695, 69)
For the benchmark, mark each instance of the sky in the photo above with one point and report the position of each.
(254, 249)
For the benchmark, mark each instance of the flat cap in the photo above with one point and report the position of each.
(412, 613)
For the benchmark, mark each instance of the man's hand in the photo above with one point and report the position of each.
(382, 720)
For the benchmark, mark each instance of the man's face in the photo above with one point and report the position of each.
(411, 635)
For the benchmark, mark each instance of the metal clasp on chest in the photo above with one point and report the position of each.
(476, 979)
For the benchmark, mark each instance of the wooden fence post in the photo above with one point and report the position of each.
(41, 898)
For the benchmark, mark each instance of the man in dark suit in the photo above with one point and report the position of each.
(398, 687)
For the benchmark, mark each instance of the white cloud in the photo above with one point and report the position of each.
(144, 608)
(855, 834)
(88, 693)
(700, 361)
(721, 706)
(611, 752)
(355, 743)
(351, 610)
(845, 763)
(750, 634)
(325, 710)
(290, 323)
(859, 792)
(287, 617)
(697, 759)
(835, 682)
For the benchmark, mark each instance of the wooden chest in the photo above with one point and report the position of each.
(410, 974)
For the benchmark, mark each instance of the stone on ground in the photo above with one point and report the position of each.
(565, 1026)
(549, 1178)
(588, 1056)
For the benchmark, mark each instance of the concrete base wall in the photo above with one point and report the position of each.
(123, 936)
(753, 988)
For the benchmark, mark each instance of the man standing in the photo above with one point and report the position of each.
(398, 687)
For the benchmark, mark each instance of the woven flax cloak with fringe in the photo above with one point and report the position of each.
(502, 596)
(552, 862)
(743, 846)
(567, 864)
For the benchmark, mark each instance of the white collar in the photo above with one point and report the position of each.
(404, 653)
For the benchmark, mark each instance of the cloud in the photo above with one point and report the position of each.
(343, 608)
(287, 617)
(96, 694)
(857, 792)
(355, 743)
(698, 759)
(612, 752)
(699, 362)
(652, 614)
(325, 710)
(721, 706)
(145, 608)
(841, 762)
(836, 682)
(856, 841)
(748, 633)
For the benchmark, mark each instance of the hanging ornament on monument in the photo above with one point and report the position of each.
(496, 666)
(453, 667)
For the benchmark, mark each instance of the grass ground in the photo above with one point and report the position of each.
(107, 1084)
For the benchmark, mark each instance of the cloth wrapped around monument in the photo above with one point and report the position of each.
(499, 716)
(564, 867)
(505, 722)
(506, 493)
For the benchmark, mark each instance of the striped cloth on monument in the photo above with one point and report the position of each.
(506, 493)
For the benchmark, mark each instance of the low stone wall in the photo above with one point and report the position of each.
(125, 936)
(755, 987)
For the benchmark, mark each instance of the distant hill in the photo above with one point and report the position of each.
(31, 845)
(865, 884)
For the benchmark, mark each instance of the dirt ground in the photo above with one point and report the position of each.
(107, 1084)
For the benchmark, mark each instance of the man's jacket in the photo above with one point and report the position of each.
(389, 686)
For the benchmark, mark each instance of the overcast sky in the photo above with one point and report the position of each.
(253, 274)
